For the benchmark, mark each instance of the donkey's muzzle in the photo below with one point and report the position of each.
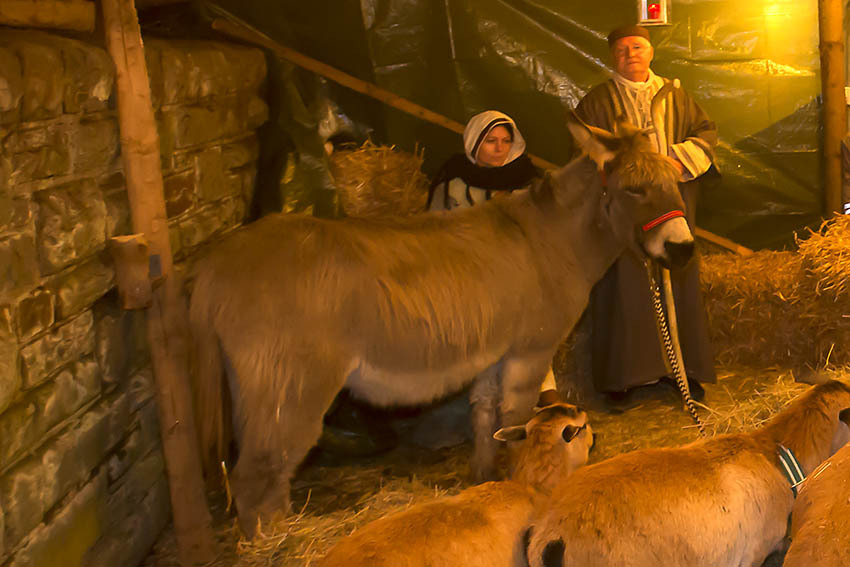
(677, 254)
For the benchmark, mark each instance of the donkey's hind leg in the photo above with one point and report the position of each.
(281, 420)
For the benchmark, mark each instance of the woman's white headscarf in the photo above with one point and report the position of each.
(480, 125)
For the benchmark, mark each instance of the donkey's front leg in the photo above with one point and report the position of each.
(521, 379)
(484, 398)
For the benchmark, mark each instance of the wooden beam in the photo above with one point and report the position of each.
(167, 318)
(250, 35)
(721, 241)
(831, 25)
(76, 15)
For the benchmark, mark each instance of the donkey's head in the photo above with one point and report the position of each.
(640, 199)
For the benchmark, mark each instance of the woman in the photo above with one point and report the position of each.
(495, 160)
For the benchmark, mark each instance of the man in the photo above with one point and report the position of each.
(626, 349)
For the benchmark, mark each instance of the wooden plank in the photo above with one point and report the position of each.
(831, 26)
(250, 35)
(721, 241)
(167, 318)
(76, 15)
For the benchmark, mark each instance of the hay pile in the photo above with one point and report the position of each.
(785, 308)
(379, 180)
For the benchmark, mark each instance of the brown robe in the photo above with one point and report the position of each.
(626, 349)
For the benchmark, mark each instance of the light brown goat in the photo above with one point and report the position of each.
(720, 502)
(404, 311)
(482, 525)
(820, 522)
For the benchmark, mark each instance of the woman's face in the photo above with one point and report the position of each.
(495, 147)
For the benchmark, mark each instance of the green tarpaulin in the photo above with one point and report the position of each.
(752, 65)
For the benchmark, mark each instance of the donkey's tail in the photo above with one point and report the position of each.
(208, 385)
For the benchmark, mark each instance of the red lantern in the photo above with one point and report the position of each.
(653, 10)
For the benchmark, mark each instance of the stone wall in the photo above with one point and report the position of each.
(81, 472)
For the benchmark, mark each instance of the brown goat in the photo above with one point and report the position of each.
(820, 521)
(719, 502)
(482, 525)
(404, 311)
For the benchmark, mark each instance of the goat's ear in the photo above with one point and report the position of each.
(569, 433)
(599, 145)
(844, 415)
(512, 433)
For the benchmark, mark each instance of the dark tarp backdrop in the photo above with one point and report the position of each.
(753, 66)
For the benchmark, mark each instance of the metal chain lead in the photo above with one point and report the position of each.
(670, 349)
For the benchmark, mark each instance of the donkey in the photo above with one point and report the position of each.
(482, 525)
(719, 502)
(403, 311)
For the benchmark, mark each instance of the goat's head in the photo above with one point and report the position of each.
(555, 442)
(640, 199)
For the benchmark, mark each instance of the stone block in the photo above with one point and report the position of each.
(200, 227)
(80, 287)
(37, 484)
(193, 70)
(42, 71)
(255, 113)
(39, 153)
(212, 184)
(118, 221)
(96, 146)
(153, 61)
(20, 490)
(175, 239)
(18, 264)
(148, 418)
(11, 86)
(15, 214)
(71, 533)
(141, 389)
(23, 425)
(179, 192)
(90, 76)
(2, 530)
(34, 313)
(249, 184)
(188, 126)
(10, 370)
(115, 341)
(241, 153)
(71, 223)
(66, 343)
(130, 538)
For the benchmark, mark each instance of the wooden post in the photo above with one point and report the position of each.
(831, 24)
(167, 318)
(76, 15)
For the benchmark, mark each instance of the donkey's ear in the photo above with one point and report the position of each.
(598, 144)
(512, 433)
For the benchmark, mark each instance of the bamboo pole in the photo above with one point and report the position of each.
(248, 34)
(167, 316)
(831, 25)
(76, 15)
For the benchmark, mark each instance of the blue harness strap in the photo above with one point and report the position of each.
(791, 467)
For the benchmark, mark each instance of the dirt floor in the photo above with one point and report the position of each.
(333, 496)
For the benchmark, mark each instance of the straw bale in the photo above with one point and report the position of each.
(379, 180)
(787, 308)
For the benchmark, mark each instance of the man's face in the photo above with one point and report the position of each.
(632, 56)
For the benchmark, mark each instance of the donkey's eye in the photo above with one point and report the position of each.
(636, 191)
